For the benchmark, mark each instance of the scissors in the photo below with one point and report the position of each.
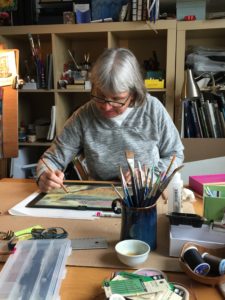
(115, 208)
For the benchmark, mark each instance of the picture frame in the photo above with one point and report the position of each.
(8, 66)
(8, 5)
(83, 195)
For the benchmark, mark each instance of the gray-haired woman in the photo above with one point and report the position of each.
(121, 115)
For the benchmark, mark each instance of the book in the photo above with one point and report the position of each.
(219, 125)
(202, 119)
(212, 116)
(50, 72)
(129, 11)
(139, 10)
(134, 10)
(206, 108)
(189, 130)
(51, 130)
(222, 121)
(199, 127)
(195, 119)
(77, 87)
(144, 10)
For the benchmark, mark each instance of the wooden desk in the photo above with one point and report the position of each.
(82, 283)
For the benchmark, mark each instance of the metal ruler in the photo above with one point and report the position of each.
(89, 243)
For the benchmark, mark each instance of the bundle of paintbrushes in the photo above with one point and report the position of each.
(147, 185)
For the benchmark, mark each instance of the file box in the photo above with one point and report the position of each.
(35, 270)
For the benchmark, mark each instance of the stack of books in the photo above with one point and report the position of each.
(79, 85)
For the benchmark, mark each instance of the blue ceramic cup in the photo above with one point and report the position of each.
(140, 224)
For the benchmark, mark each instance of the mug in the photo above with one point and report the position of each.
(139, 223)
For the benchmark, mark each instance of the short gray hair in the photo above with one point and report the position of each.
(116, 71)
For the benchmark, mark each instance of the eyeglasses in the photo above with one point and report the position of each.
(119, 103)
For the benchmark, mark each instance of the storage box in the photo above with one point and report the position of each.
(35, 270)
(214, 204)
(154, 83)
(195, 8)
(205, 235)
(196, 183)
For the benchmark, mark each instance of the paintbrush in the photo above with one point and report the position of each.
(117, 192)
(166, 182)
(130, 161)
(50, 169)
(169, 167)
(127, 197)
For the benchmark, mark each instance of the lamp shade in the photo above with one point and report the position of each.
(190, 88)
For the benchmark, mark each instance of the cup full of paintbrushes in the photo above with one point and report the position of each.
(138, 204)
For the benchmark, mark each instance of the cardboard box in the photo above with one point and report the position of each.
(196, 183)
(154, 83)
(181, 234)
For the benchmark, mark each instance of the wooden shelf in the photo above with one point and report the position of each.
(142, 38)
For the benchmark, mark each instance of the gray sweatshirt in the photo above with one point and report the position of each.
(146, 130)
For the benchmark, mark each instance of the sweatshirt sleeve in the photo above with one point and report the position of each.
(169, 141)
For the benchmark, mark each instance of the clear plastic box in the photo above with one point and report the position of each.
(35, 270)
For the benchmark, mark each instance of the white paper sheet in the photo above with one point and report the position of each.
(21, 210)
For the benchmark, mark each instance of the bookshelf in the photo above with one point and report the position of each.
(140, 37)
(210, 34)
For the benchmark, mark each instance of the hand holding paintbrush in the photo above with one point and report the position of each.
(52, 179)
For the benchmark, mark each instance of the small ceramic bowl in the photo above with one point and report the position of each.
(132, 252)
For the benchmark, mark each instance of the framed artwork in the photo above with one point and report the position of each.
(8, 66)
(8, 5)
(81, 196)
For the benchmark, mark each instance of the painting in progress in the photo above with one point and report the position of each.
(80, 196)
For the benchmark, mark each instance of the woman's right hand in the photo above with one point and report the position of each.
(50, 180)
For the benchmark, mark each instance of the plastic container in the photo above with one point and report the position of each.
(175, 193)
(35, 270)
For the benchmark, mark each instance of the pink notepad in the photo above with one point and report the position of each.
(196, 183)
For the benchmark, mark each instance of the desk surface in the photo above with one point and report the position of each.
(84, 283)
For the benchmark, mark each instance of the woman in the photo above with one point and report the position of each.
(120, 116)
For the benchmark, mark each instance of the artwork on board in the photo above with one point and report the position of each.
(80, 196)
(8, 5)
(8, 67)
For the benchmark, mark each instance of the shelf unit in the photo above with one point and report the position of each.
(140, 37)
(208, 33)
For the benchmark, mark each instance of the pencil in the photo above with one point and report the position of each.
(62, 185)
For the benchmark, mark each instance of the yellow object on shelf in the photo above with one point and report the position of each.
(154, 83)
